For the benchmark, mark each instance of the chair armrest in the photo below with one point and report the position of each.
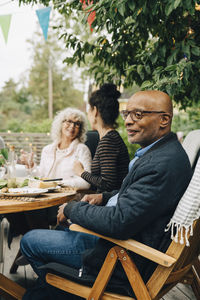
(134, 246)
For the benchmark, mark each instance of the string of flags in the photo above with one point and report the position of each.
(43, 15)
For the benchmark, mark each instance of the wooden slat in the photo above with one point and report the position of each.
(11, 287)
(132, 245)
(78, 289)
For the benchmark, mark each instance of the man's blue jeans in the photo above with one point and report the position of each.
(41, 246)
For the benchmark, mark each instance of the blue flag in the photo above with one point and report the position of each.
(43, 17)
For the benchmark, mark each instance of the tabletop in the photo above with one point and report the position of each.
(19, 204)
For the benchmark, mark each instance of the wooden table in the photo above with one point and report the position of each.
(20, 204)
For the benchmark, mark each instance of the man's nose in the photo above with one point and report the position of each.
(128, 120)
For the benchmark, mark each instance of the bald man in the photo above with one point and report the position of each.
(141, 209)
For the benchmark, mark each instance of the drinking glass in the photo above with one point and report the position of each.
(2, 172)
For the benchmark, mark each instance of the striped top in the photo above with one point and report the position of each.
(110, 163)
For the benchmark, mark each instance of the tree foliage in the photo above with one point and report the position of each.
(153, 43)
(25, 107)
(47, 55)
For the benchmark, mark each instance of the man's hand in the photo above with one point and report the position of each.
(60, 216)
(78, 168)
(95, 199)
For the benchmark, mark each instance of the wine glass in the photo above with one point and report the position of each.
(30, 163)
(2, 172)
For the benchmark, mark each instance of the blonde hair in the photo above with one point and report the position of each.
(65, 114)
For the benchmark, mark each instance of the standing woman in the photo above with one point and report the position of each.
(110, 162)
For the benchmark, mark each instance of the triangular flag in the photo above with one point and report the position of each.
(43, 17)
(5, 25)
(92, 15)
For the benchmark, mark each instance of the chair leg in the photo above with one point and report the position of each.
(196, 281)
(104, 275)
(14, 267)
(10, 289)
(133, 274)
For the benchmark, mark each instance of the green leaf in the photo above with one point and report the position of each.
(154, 58)
(195, 51)
(131, 4)
(146, 84)
(148, 69)
(4, 152)
(170, 68)
(176, 3)
(121, 8)
(168, 9)
(139, 69)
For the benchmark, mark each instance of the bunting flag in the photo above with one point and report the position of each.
(5, 25)
(43, 17)
(92, 15)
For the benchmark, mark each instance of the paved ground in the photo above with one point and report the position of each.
(26, 277)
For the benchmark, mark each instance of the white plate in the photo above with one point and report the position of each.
(26, 191)
(51, 189)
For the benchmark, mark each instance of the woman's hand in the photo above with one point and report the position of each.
(60, 216)
(27, 159)
(78, 168)
(95, 199)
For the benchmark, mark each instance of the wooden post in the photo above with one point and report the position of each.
(50, 90)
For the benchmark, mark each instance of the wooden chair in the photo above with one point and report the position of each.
(179, 264)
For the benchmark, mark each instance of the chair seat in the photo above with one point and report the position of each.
(71, 275)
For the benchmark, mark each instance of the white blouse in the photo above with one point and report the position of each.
(57, 163)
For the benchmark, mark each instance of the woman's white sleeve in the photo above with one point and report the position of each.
(84, 156)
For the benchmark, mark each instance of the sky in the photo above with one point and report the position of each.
(15, 55)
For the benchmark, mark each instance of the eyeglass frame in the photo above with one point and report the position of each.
(76, 124)
(140, 111)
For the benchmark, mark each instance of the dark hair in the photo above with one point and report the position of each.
(106, 101)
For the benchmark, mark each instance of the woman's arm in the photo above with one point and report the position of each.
(83, 155)
(105, 161)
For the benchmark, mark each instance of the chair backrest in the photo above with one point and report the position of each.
(191, 144)
(183, 254)
(92, 141)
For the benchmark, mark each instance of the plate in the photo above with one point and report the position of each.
(26, 191)
(51, 189)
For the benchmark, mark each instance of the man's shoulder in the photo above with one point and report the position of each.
(165, 155)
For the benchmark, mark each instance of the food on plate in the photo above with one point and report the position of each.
(3, 183)
(5, 190)
(41, 184)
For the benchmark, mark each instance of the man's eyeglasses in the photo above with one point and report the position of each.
(76, 124)
(137, 115)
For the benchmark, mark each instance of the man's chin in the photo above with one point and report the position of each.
(132, 140)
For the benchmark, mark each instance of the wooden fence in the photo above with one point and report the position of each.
(26, 141)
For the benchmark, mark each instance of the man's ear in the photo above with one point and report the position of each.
(165, 120)
(95, 111)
